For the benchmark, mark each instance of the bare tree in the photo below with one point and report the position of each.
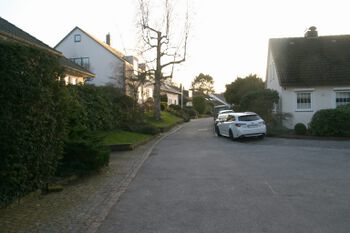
(158, 40)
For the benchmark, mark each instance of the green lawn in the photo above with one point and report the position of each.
(168, 120)
(123, 137)
(126, 137)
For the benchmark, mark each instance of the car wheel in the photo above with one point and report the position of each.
(217, 131)
(262, 136)
(231, 135)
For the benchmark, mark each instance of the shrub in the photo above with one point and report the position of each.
(145, 129)
(300, 129)
(191, 112)
(175, 107)
(331, 122)
(261, 102)
(163, 106)
(84, 152)
(32, 119)
(199, 104)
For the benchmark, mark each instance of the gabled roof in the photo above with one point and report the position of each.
(115, 52)
(305, 62)
(167, 88)
(219, 98)
(8, 30)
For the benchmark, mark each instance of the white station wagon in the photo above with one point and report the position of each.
(240, 124)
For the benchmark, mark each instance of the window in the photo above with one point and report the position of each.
(82, 61)
(342, 98)
(303, 100)
(230, 118)
(249, 118)
(77, 38)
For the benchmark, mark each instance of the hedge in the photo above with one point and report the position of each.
(31, 118)
(331, 122)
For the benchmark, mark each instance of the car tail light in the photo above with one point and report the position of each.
(240, 124)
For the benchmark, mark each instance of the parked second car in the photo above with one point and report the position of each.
(240, 124)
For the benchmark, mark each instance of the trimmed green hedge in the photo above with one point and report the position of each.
(31, 117)
(331, 122)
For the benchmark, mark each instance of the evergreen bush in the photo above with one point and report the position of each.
(331, 122)
(300, 129)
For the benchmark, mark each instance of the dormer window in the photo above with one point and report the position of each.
(77, 38)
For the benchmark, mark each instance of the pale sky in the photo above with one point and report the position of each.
(228, 38)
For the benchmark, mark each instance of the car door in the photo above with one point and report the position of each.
(226, 125)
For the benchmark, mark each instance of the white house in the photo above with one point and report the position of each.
(309, 73)
(173, 95)
(110, 65)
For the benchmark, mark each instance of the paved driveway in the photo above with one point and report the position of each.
(195, 181)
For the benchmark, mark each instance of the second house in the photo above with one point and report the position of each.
(111, 66)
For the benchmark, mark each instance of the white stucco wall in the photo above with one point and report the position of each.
(322, 97)
(173, 98)
(108, 68)
(74, 80)
(272, 81)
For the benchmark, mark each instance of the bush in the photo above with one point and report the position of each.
(199, 104)
(145, 129)
(163, 106)
(32, 119)
(261, 102)
(331, 122)
(300, 129)
(175, 107)
(191, 112)
(83, 153)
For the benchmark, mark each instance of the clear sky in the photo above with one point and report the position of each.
(228, 38)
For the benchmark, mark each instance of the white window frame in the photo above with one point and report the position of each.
(77, 38)
(338, 92)
(297, 108)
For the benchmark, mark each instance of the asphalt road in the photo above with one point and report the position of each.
(195, 182)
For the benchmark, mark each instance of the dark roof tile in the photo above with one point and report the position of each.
(317, 61)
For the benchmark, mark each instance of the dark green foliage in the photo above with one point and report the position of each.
(199, 104)
(331, 122)
(261, 102)
(32, 119)
(144, 128)
(178, 111)
(83, 152)
(191, 112)
(175, 107)
(163, 106)
(102, 108)
(241, 86)
(300, 129)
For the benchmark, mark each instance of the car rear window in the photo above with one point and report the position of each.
(249, 118)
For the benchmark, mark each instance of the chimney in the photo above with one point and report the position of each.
(108, 39)
(311, 32)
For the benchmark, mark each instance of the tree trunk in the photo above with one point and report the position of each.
(157, 77)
